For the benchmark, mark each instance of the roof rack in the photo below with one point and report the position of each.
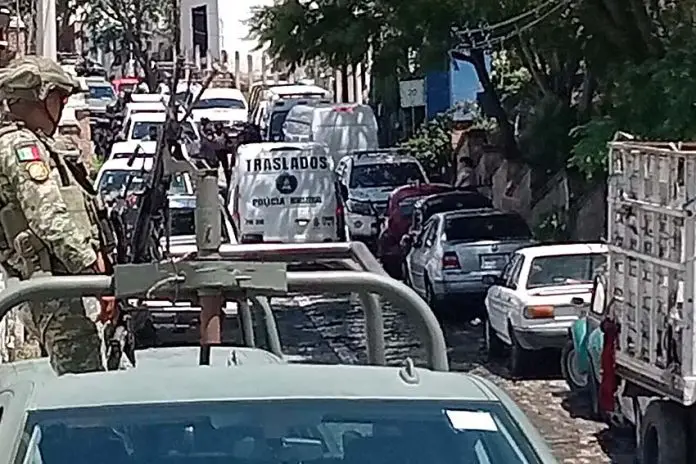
(253, 273)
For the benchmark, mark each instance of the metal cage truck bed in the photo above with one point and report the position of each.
(650, 314)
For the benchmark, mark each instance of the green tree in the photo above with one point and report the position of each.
(648, 93)
(123, 25)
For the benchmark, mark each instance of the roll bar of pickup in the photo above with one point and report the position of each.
(302, 253)
(349, 255)
(41, 288)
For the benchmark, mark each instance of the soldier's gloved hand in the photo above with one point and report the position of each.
(99, 265)
(108, 310)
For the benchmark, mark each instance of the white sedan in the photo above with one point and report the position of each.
(540, 293)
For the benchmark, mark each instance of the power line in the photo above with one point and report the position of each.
(487, 41)
(533, 12)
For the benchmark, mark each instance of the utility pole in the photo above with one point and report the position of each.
(46, 34)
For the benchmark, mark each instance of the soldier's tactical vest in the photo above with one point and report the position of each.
(21, 251)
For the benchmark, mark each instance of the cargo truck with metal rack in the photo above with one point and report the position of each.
(649, 362)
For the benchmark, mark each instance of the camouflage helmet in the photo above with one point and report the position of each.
(33, 78)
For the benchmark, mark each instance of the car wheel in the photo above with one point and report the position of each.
(392, 266)
(576, 380)
(518, 357)
(495, 348)
(405, 275)
(430, 295)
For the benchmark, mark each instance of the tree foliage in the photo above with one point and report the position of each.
(127, 25)
(560, 87)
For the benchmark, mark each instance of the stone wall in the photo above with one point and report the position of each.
(509, 185)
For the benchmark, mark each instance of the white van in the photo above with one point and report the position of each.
(285, 193)
(281, 100)
(343, 127)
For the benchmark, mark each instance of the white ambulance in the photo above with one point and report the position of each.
(343, 127)
(285, 193)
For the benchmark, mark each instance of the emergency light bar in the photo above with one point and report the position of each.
(288, 96)
(379, 151)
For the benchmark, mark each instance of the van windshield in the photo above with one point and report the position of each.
(228, 103)
(385, 175)
(277, 121)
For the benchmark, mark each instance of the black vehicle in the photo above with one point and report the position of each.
(426, 207)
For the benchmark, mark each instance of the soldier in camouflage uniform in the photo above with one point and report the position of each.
(47, 212)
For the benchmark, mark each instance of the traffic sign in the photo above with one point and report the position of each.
(412, 93)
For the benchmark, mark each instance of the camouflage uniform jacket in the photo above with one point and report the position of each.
(35, 179)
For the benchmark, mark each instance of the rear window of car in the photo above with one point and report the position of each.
(553, 271)
(407, 206)
(486, 227)
(454, 203)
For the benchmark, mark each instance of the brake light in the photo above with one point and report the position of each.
(344, 109)
(340, 221)
(450, 261)
(538, 312)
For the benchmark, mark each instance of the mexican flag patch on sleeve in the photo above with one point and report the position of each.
(28, 153)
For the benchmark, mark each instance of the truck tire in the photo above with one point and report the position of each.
(663, 434)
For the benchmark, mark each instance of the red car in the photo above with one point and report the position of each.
(399, 214)
(127, 84)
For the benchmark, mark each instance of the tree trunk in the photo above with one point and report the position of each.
(495, 110)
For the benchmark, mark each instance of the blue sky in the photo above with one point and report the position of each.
(464, 82)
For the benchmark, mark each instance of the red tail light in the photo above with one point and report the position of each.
(450, 261)
(340, 222)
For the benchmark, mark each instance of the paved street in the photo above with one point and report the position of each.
(329, 329)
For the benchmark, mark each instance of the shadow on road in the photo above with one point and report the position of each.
(619, 445)
(577, 404)
(467, 352)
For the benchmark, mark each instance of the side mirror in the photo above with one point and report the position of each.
(577, 301)
(343, 190)
(491, 280)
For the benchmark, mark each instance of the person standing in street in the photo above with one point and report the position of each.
(466, 177)
(49, 219)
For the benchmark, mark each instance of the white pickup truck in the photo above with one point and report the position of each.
(650, 315)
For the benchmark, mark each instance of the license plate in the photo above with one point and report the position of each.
(493, 261)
